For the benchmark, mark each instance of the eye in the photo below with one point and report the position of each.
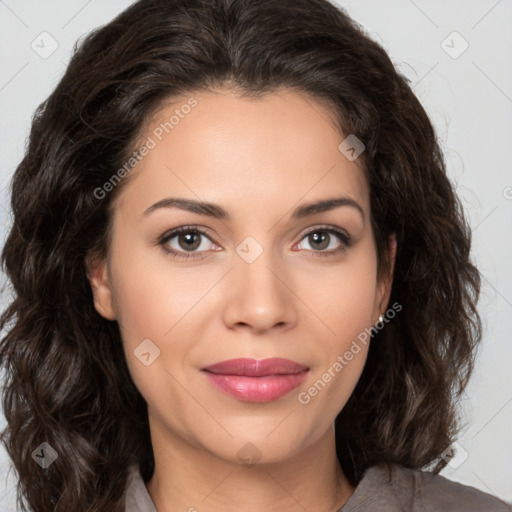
(322, 240)
(188, 242)
(184, 242)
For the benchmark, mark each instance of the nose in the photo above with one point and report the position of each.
(261, 299)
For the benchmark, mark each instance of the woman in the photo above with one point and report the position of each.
(175, 340)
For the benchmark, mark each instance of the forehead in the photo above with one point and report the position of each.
(263, 153)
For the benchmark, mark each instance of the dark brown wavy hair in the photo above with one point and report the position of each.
(66, 378)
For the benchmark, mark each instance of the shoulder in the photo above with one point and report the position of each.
(137, 498)
(435, 493)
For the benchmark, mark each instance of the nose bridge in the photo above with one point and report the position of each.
(261, 298)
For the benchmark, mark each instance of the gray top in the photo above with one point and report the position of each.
(382, 489)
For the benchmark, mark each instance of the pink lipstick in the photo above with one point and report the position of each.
(253, 380)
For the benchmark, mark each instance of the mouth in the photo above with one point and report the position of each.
(254, 380)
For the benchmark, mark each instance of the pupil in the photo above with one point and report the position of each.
(189, 241)
(320, 239)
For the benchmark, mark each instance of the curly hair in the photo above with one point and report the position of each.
(66, 377)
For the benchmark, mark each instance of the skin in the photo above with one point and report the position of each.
(259, 160)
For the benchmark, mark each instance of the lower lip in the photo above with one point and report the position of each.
(256, 389)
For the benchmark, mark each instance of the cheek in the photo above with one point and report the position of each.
(148, 308)
(150, 297)
(347, 308)
(161, 303)
(346, 300)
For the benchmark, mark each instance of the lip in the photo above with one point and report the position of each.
(256, 367)
(253, 380)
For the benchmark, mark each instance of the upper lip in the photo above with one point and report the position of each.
(256, 367)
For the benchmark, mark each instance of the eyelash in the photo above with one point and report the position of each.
(184, 255)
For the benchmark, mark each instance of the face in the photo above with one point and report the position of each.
(258, 275)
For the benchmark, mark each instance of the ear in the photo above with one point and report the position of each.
(386, 278)
(97, 273)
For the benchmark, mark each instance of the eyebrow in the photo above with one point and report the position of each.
(217, 212)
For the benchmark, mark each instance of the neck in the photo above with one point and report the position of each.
(192, 479)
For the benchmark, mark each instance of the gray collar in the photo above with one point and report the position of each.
(373, 492)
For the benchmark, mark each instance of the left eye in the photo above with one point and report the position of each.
(322, 240)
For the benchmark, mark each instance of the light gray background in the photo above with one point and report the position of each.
(469, 99)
